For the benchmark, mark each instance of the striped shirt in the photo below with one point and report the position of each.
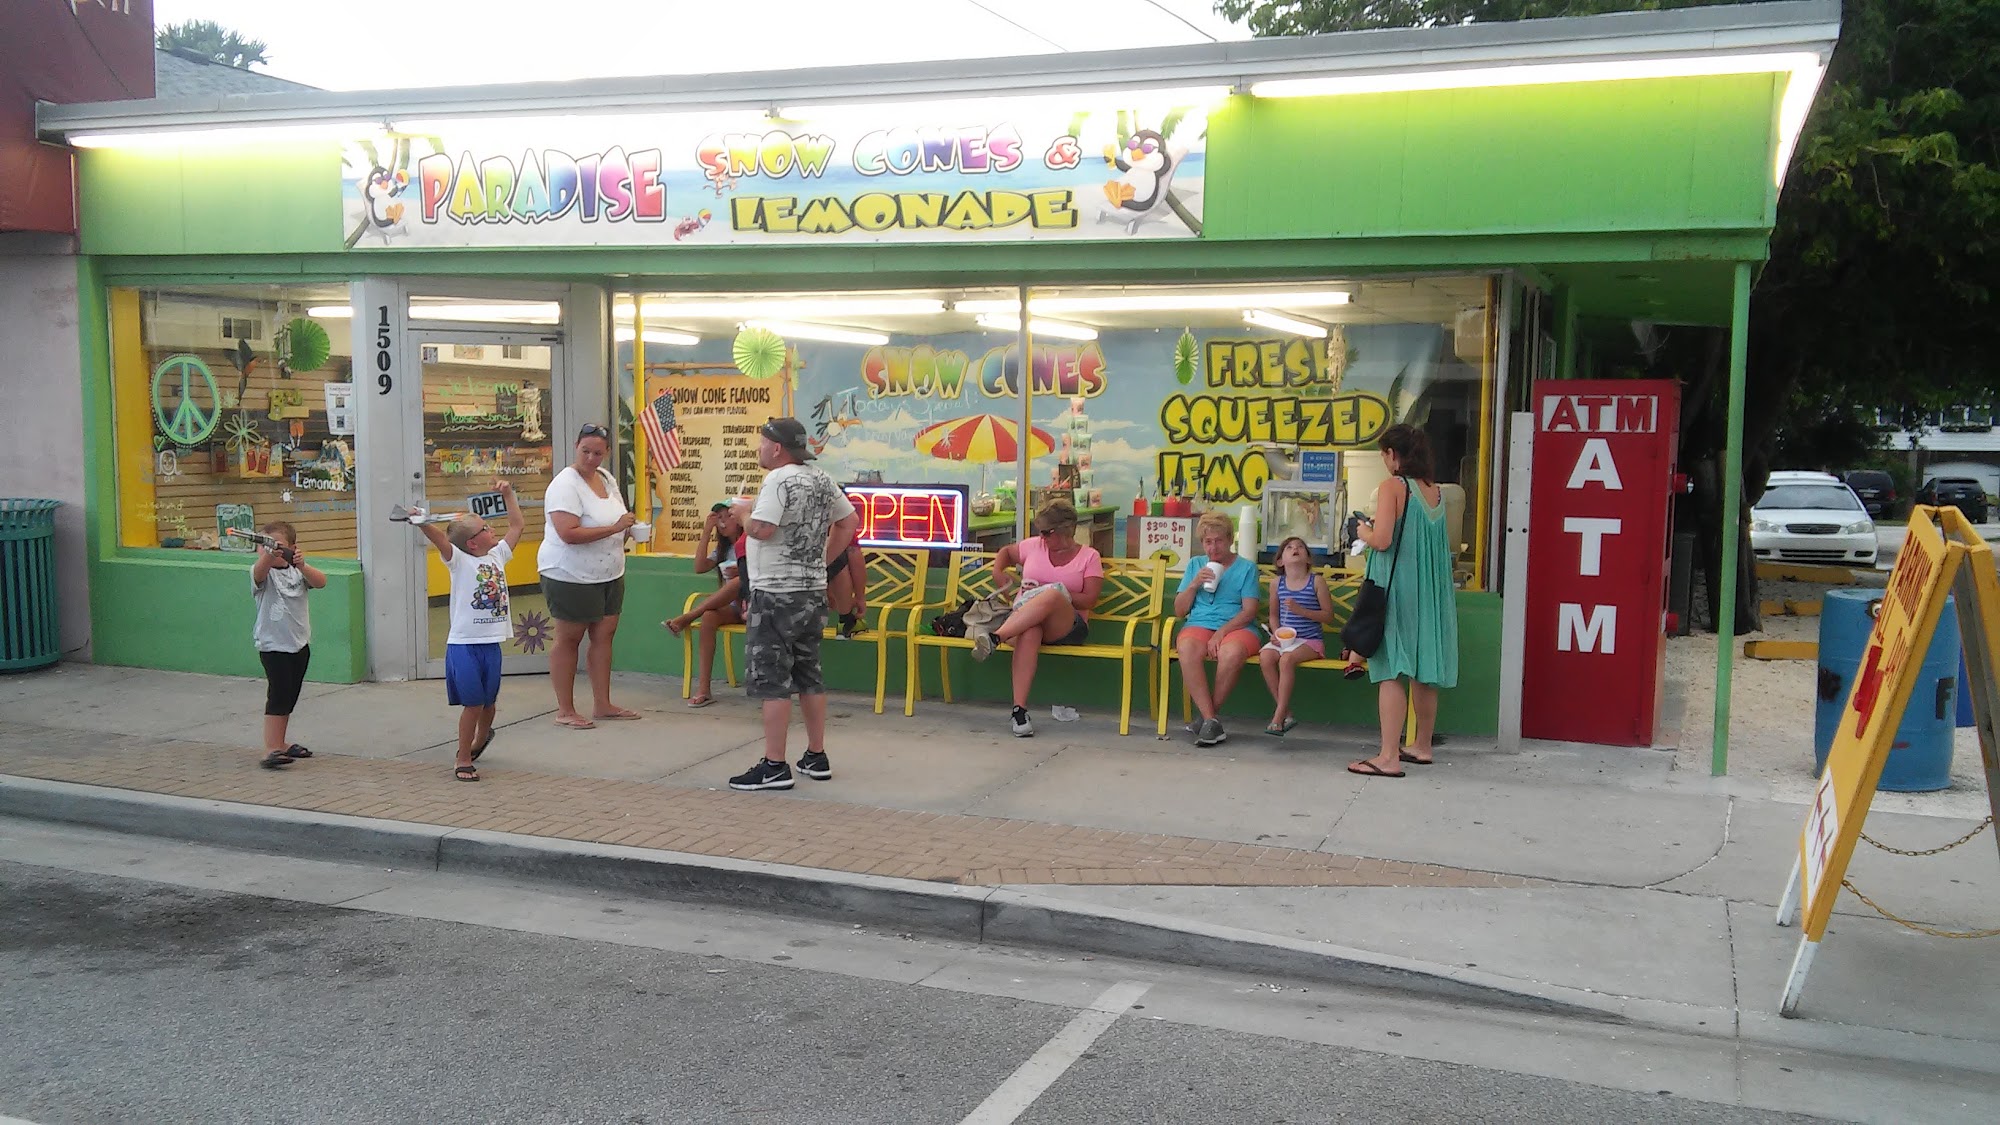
(1290, 604)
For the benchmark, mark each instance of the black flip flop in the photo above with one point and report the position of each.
(483, 744)
(297, 751)
(465, 773)
(1414, 760)
(1367, 768)
(275, 760)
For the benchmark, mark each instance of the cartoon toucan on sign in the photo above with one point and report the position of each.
(1139, 194)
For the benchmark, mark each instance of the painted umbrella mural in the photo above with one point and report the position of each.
(983, 439)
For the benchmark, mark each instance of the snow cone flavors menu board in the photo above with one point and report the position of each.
(1001, 171)
(716, 420)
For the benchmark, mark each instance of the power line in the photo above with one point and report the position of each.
(1017, 24)
(1190, 24)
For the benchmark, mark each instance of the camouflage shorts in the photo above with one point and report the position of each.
(781, 643)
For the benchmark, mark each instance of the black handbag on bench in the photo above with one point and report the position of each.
(1363, 632)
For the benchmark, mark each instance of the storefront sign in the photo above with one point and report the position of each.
(895, 515)
(717, 418)
(903, 174)
(1261, 392)
(1597, 544)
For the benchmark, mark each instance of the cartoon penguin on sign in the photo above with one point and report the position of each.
(380, 190)
(1139, 194)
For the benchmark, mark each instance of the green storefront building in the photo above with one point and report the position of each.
(314, 306)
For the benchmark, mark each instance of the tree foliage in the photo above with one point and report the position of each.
(213, 41)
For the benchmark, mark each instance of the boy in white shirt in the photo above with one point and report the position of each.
(481, 622)
(283, 635)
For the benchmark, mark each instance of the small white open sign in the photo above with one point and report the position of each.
(486, 505)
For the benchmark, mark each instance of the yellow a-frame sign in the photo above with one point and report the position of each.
(1941, 556)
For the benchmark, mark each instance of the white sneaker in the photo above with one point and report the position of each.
(1023, 728)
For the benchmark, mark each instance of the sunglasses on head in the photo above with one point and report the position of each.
(592, 429)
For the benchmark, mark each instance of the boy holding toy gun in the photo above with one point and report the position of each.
(283, 633)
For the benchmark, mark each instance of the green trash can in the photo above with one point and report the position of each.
(30, 632)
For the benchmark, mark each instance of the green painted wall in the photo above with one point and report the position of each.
(1660, 154)
(191, 612)
(1680, 154)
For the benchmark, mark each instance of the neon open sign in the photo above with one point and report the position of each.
(896, 515)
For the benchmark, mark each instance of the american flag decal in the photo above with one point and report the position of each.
(663, 435)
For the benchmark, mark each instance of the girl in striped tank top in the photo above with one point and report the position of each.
(1300, 611)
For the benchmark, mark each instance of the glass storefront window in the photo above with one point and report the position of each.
(234, 407)
(1269, 395)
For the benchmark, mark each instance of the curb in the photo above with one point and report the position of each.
(981, 915)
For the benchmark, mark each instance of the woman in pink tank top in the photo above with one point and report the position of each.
(1060, 580)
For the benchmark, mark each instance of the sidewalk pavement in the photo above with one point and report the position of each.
(1586, 868)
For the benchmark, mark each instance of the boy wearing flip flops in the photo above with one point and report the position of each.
(481, 621)
(283, 635)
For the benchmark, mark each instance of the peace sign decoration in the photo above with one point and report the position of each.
(190, 423)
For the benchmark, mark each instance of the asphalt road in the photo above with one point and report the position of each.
(134, 1000)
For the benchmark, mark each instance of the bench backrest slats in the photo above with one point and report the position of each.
(897, 577)
(1132, 587)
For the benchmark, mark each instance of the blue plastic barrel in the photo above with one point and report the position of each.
(1920, 757)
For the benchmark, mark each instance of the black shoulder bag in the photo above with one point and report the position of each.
(1365, 626)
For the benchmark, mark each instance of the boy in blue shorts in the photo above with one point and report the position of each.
(480, 623)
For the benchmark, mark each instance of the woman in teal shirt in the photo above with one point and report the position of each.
(1216, 619)
(1410, 556)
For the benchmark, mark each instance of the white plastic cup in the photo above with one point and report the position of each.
(641, 531)
(1212, 576)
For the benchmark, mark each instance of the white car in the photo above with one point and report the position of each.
(1812, 518)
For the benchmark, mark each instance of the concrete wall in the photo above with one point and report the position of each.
(41, 427)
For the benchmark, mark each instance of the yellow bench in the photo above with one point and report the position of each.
(1342, 587)
(896, 580)
(1130, 599)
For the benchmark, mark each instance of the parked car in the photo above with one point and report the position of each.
(1812, 518)
(1876, 488)
(1963, 493)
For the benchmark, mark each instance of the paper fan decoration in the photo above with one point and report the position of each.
(1186, 357)
(758, 353)
(310, 346)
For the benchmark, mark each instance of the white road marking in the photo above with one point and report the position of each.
(5, 1120)
(1035, 1076)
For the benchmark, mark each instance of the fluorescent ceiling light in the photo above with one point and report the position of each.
(785, 307)
(529, 312)
(1061, 330)
(1535, 74)
(820, 332)
(1165, 301)
(1800, 90)
(545, 123)
(331, 312)
(1276, 323)
(1064, 103)
(228, 135)
(657, 336)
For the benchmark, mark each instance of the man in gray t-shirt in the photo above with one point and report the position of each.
(800, 520)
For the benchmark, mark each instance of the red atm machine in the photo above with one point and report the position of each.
(1598, 532)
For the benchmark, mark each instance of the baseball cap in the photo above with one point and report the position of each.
(789, 433)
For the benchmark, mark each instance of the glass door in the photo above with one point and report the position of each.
(488, 406)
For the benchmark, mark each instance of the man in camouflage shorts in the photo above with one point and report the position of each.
(800, 520)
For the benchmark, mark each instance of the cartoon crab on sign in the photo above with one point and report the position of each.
(532, 632)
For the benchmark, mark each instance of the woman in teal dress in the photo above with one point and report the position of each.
(1420, 639)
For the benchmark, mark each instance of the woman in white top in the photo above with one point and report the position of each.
(582, 561)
